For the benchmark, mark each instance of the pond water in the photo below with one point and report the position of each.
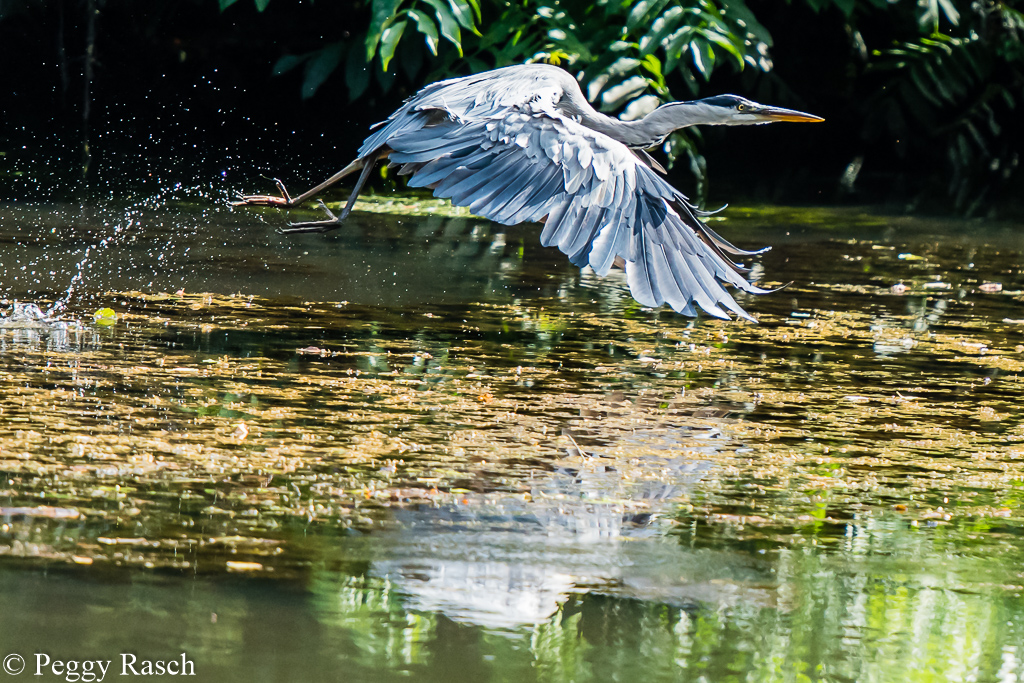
(423, 447)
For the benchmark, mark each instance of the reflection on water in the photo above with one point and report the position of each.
(425, 447)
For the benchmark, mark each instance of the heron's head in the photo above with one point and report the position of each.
(732, 110)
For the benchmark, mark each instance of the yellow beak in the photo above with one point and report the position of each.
(777, 114)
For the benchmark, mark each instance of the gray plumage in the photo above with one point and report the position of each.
(522, 144)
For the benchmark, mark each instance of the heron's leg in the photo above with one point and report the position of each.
(286, 200)
(335, 221)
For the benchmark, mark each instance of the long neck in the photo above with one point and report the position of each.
(643, 132)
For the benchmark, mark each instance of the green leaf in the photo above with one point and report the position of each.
(426, 26)
(382, 12)
(922, 88)
(968, 63)
(723, 42)
(385, 78)
(224, 4)
(662, 26)
(389, 42)
(641, 10)
(678, 43)
(288, 62)
(653, 65)
(846, 6)
(261, 5)
(939, 84)
(322, 65)
(411, 58)
(742, 16)
(464, 15)
(703, 56)
(357, 71)
(449, 26)
(477, 65)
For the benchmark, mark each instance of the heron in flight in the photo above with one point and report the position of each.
(522, 144)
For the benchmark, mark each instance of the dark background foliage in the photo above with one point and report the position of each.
(922, 100)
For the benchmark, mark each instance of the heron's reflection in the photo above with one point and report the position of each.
(598, 521)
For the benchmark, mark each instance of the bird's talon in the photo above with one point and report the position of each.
(329, 213)
(261, 200)
(284, 192)
(311, 226)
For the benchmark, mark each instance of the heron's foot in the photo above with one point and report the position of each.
(332, 223)
(265, 199)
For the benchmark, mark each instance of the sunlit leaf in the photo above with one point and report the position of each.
(678, 44)
(641, 9)
(426, 26)
(724, 43)
(950, 11)
(449, 26)
(389, 42)
(640, 107)
(653, 66)
(703, 56)
(622, 66)
(464, 15)
(934, 9)
(662, 26)
(631, 87)
(382, 11)
(941, 42)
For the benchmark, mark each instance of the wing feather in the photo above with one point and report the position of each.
(506, 151)
(642, 284)
(576, 242)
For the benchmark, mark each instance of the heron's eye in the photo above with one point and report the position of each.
(742, 107)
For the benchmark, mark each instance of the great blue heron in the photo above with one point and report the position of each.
(523, 144)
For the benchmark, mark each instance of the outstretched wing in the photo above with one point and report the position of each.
(597, 200)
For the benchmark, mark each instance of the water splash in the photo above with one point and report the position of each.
(63, 257)
(61, 303)
(30, 325)
(22, 315)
